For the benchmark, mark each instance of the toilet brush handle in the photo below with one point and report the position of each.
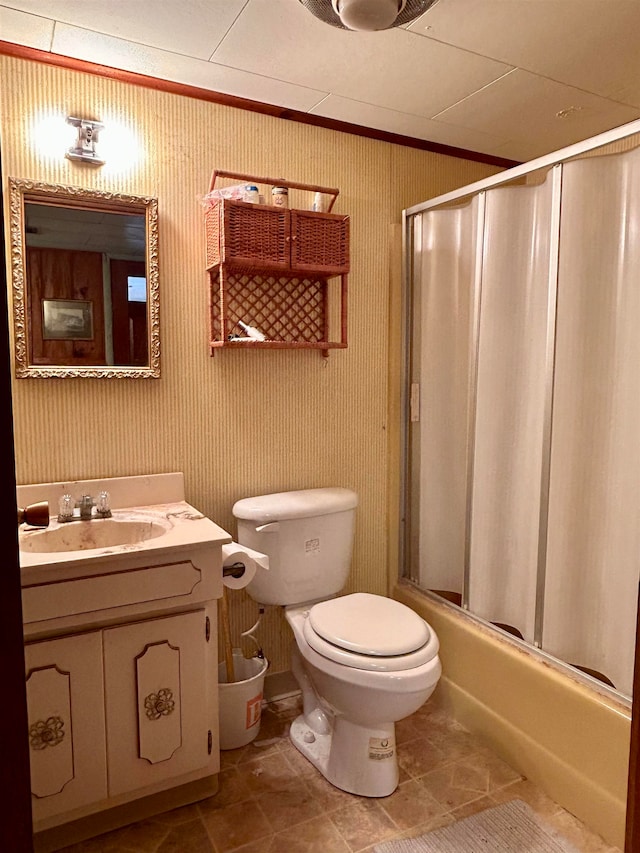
(226, 636)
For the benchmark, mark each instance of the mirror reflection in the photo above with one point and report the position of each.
(85, 282)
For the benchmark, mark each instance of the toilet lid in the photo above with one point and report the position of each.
(389, 631)
(369, 625)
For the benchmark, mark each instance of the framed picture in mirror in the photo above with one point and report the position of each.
(67, 320)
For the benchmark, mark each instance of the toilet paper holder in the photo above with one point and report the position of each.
(233, 570)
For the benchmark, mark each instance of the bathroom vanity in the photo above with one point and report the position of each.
(121, 649)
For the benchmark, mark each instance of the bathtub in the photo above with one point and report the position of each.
(566, 735)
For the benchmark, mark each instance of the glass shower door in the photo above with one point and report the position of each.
(593, 558)
(446, 268)
(511, 428)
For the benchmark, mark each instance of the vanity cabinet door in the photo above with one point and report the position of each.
(65, 700)
(156, 700)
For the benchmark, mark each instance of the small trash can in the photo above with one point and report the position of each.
(241, 700)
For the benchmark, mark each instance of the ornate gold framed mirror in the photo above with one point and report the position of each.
(85, 282)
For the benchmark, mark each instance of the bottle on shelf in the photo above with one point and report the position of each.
(280, 196)
(251, 332)
(320, 203)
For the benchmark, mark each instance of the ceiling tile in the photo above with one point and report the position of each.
(394, 69)
(522, 151)
(483, 75)
(191, 27)
(522, 107)
(30, 30)
(590, 44)
(105, 50)
(366, 115)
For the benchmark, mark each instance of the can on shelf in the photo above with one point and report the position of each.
(280, 196)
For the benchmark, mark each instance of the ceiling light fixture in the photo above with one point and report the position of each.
(85, 147)
(367, 15)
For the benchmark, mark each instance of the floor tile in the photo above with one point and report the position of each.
(300, 764)
(456, 784)
(176, 817)
(407, 730)
(232, 789)
(272, 800)
(410, 805)
(475, 806)
(420, 756)
(233, 826)
(269, 774)
(524, 790)
(498, 772)
(454, 743)
(327, 795)
(577, 833)
(289, 808)
(363, 823)
(190, 837)
(316, 836)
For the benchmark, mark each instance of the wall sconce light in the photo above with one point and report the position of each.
(85, 146)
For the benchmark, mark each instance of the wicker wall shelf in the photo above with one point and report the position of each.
(281, 271)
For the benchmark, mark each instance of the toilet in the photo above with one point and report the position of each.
(362, 661)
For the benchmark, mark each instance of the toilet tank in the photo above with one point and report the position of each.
(308, 536)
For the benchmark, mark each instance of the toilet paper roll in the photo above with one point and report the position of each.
(253, 561)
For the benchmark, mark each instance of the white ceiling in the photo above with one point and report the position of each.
(511, 78)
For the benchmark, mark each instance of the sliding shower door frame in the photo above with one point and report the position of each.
(545, 473)
(472, 397)
(412, 218)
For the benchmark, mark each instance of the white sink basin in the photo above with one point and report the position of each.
(89, 535)
(151, 525)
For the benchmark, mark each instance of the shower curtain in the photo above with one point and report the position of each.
(525, 461)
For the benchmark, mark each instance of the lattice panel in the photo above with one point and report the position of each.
(284, 308)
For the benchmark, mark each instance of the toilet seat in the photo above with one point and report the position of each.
(370, 632)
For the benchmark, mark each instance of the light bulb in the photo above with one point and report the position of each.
(368, 14)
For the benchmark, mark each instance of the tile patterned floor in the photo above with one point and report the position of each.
(271, 800)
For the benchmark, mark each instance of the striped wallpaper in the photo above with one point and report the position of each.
(244, 422)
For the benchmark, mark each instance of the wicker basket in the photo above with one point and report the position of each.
(246, 235)
(265, 237)
(319, 242)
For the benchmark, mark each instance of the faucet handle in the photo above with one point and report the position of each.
(66, 505)
(103, 507)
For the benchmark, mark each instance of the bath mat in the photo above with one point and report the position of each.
(509, 828)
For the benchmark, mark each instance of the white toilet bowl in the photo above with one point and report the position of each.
(362, 661)
(351, 702)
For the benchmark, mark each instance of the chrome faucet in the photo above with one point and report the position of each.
(68, 507)
(85, 505)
